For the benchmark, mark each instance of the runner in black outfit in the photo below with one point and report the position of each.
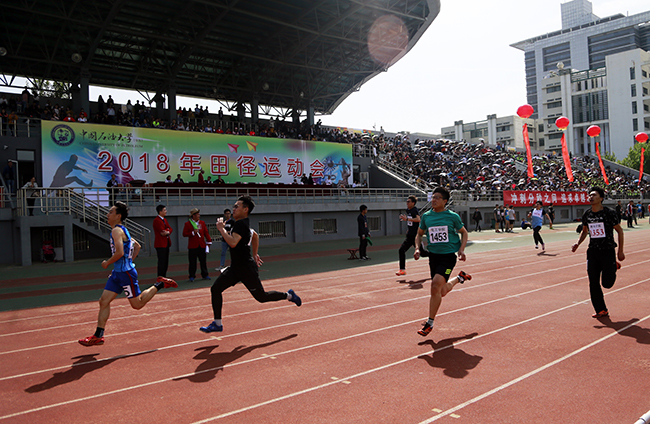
(243, 267)
(412, 218)
(600, 222)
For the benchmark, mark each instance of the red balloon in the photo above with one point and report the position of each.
(562, 122)
(641, 137)
(525, 111)
(593, 131)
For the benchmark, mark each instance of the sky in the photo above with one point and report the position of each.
(462, 68)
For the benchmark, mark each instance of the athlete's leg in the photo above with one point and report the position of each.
(406, 245)
(449, 286)
(536, 236)
(225, 280)
(251, 280)
(594, 270)
(143, 298)
(105, 307)
(608, 266)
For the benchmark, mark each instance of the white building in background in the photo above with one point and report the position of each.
(615, 97)
(506, 131)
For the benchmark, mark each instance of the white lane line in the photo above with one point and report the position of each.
(311, 389)
(341, 380)
(532, 373)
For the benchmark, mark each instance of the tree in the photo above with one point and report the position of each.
(55, 89)
(633, 159)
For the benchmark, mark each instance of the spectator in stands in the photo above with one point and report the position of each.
(111, 187)
(31, 194)
(168, 179)
(9, 175)
(100, 104)
(201, 179)
(178, 179)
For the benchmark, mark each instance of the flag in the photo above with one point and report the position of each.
(567, 158)
(602, 167)
(528, 155)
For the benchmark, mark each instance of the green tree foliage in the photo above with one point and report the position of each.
(55, 89)
(610, 156)
(633, 159)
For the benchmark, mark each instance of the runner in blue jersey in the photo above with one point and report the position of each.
(442, 228)
(537, 219)
(124, 277)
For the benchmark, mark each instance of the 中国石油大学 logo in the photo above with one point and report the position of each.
(62, 135)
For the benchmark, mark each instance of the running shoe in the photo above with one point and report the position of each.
(536, 247)
(426, 329)
(601, 314)
(167, 281)
(463, 276)
(191, 279)
(618, 265)
(543, 247)
(212, 328)
(207, 278)
(401, 272)
(294, 298)
(92, 341)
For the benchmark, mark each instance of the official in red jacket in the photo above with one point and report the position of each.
(198, 239)
(162, 242)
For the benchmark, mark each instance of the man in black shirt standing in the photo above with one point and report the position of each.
(363, 232)
(243, 267)
(412, 218)
(600, 222)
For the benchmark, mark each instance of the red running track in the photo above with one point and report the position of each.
(517, 344)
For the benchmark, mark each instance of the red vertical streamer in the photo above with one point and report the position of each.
(641, 168)
(602, 167)
(567, 159)
(528, 155)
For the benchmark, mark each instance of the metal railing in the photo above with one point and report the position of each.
(84, 204)
(404, 175)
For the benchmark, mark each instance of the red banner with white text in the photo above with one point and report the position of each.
(558, 198)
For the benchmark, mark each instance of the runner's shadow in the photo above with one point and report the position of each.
(642, 335)
(414, 285)
(81, 367)
(454, 362)
(546, 254)
(215, 362)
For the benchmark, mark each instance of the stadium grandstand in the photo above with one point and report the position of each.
(275, 67)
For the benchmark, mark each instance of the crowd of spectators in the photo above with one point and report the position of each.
(476, 168)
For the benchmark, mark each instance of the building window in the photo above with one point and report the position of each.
(554, 89)
(374, 223)
(632, 73)
(634, 107)
(325, 226)
(273, 229)
(635, 124)
(633, 90)
(541, 142)
(553, 105)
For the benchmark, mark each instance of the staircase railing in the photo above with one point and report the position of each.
(409, 178)
(88, 211)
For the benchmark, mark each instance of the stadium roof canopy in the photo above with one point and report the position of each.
(282, 53)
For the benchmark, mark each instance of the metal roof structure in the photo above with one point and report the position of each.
(283, 53)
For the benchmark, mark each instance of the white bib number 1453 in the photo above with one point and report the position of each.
(438, 234)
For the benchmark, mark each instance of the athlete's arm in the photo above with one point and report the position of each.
(118, 240)
(255, 244)
(464, 236)
(621, 242)
(583, 236)
(136, 249)
(233, 239)
(418, 243)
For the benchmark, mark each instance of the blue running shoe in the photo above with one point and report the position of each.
(212, 328)
(294, 298)
(191, 279)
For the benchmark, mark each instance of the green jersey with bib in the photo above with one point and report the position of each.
(442, 229)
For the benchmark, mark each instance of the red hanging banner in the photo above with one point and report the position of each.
(567, 159)
(602, 167)
(528, 155)
(641, 168)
